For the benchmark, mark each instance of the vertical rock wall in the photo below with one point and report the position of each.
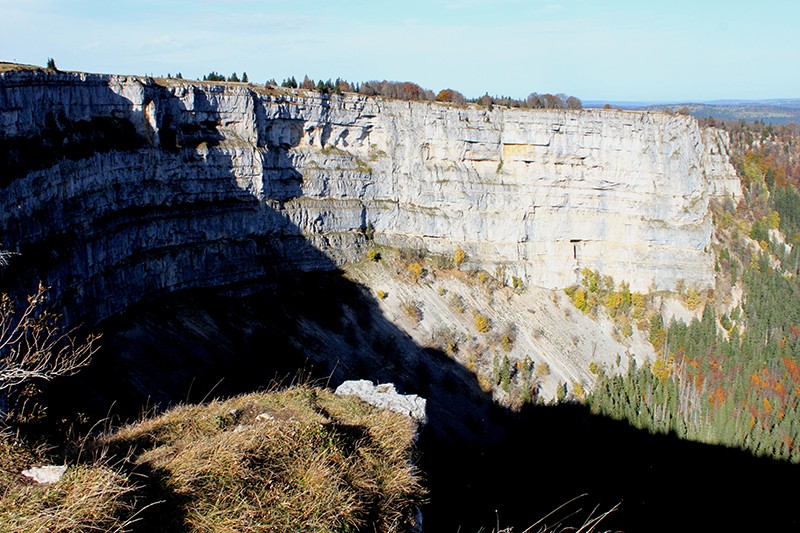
(115, 188)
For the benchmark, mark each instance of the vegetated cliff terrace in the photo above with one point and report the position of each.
(116, 188)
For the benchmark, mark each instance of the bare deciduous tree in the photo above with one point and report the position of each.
(34, 347)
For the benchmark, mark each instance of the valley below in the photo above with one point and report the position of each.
(503, 264)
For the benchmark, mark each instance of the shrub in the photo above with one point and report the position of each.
(507, 339)
(693, 298)
(415, 269)
(451, 95)
(579, 299)
(506, 342)
(484, 383)
(456, 303)
(448, 340)
(382, 294)
(577, 390)
(561, 392)
(374, 255)
(412, 311)
(481, 323)
(459, 257)
(542, 370)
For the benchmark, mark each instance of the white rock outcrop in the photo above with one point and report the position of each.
(134, 188)
(45, 474)
(386, 396)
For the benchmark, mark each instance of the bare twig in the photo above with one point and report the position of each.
(588, 526)
(34, 347)
(4, 257)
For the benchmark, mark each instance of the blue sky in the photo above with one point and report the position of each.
(675, 50)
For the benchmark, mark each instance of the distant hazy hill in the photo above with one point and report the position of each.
(775, 111)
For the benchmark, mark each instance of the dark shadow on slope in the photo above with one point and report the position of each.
(662, 483)
(480, 461)
(179, 252)
(212, 314)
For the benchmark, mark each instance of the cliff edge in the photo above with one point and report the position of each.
(119, 187)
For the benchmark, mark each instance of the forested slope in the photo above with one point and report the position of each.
(731, 376)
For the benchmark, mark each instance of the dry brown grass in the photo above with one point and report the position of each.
(87, 498)
(297, 460)
(301, 459)
(14, 453)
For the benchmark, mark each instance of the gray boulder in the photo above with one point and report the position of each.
(386, 396)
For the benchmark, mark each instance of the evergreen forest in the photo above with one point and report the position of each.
(731, 376)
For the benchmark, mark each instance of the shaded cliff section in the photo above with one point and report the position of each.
(179, 208)
(114, 192)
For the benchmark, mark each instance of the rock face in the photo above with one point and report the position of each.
(386, 396)
(117, 188)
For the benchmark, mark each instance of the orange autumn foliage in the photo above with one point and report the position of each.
(718, 397)
(780, 390)
(792, 368)
(767, 406)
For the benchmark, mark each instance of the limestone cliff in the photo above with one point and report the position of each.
(117, 187)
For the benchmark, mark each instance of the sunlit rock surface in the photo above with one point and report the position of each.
(116, 188)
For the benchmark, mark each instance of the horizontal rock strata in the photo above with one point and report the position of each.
(115, 188)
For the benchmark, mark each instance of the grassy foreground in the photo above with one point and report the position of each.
(301, 459)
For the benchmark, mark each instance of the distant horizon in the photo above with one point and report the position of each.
(592, 103)
(612, 51)
(766, 102)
